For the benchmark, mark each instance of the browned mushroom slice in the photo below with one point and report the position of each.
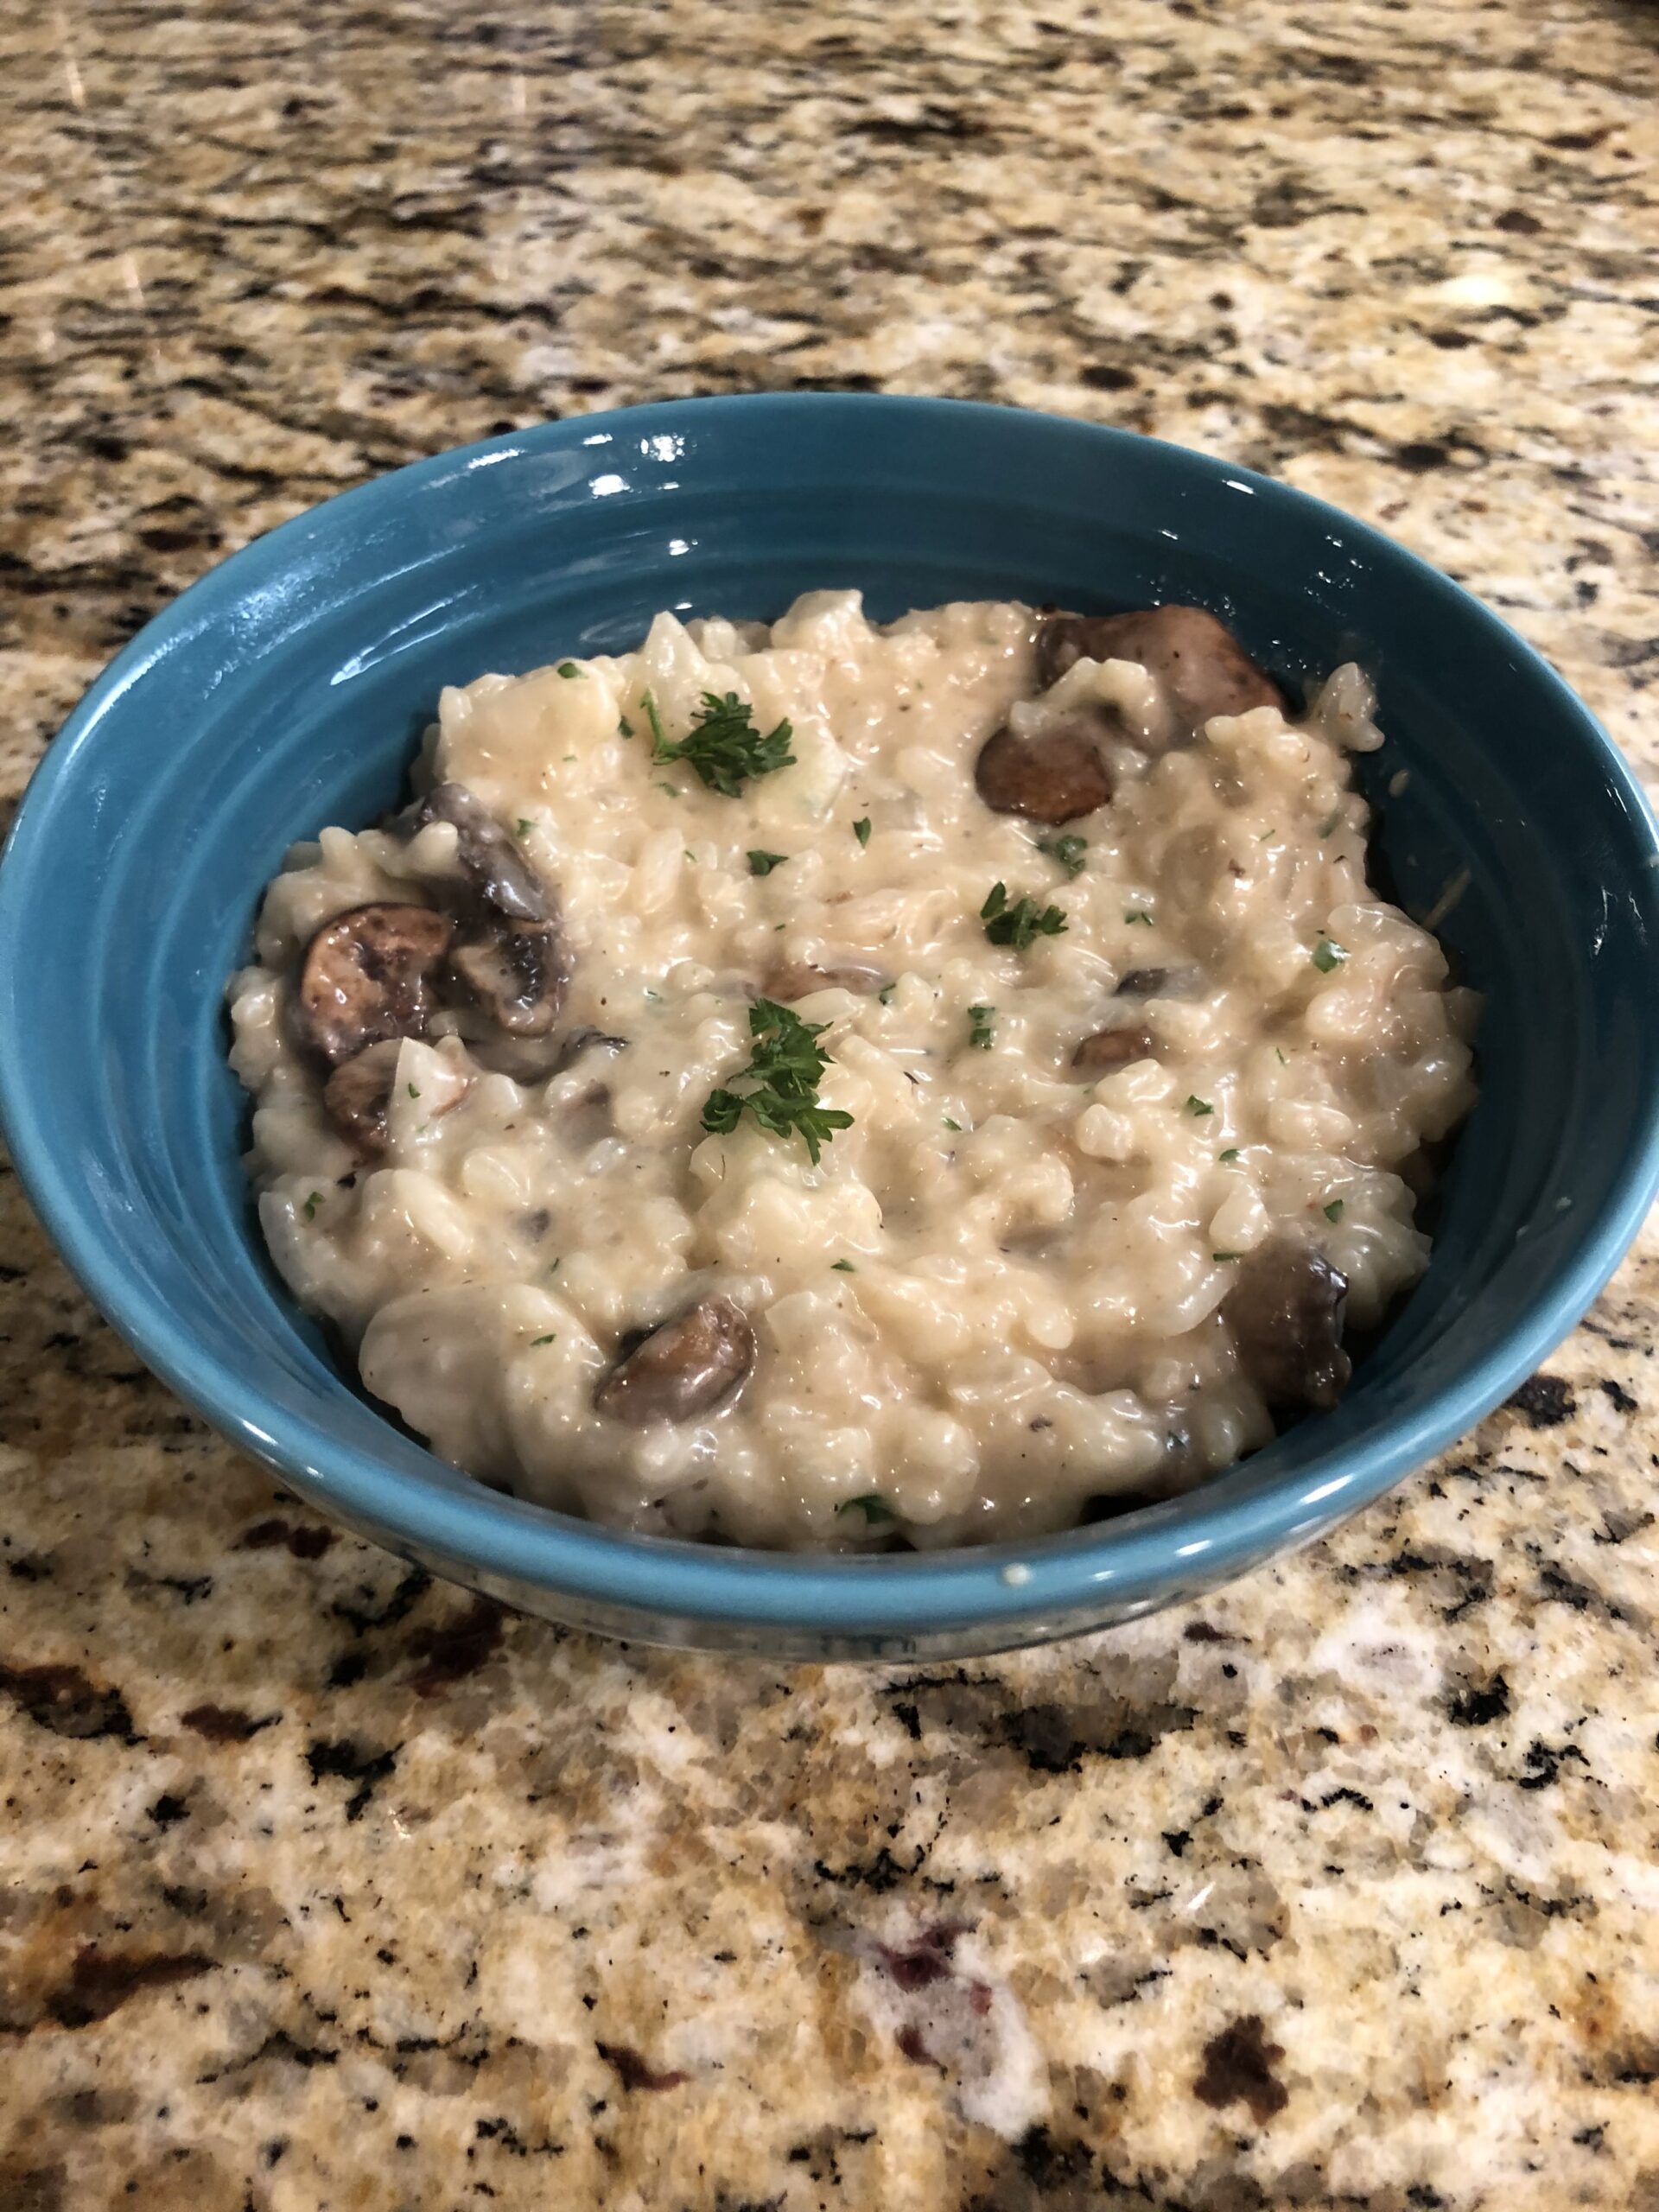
(1114, 1048)
(799, 979)
(500, 874)
(1054, 775)
(1200, 664)
(366, 975)
(683, 1369)
(517, 972)
(1285, 1312)
(358, 1093)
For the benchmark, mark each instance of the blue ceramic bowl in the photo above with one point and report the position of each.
(287, 689)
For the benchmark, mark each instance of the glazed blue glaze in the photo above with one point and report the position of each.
(288, 689)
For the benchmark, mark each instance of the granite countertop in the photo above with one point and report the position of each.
(328, 1886)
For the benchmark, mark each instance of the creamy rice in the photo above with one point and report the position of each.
(1013, 1285)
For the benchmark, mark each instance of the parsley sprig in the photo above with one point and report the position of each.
(723, 745)
(1019, 924)
(1066, 852)
(786, 1066)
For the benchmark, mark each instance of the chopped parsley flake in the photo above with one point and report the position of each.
(1328, 953)
(413, 1092)
(1283, 1062)
(1333, 1211)
(764, 863)
(862, 829)
(954, 1127)
(656, 997)
(885, 993)
(311, 1204)
(1020, 924)
(874, 1507)
(1228, 1157)
(624, 726)
(1067, 852)
(542, 1340)
(1226, 1255)
(723, 745)
(1199, 1106)
(785, 1066)
(1135, 915)
(524, 826)
(843, 1267)
(979, 1027)
(553, 1267)
(569, 668)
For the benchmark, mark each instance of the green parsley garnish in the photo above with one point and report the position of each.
(764, 863)
(1328, 955)
(1068, 851)
(785, 1066)
(1199, 1106)
(624, 726)
(647, 700)
(656, 997)
(724, 746)
(1283, 1062)
(874, 1507)
(569, 668)
(1333, 1211)
(413, 1092)
(542, 1340)
(843, 1267)
(1228, 1157)
(1226, 1255)
(311, 1204)
(885, 993)
(1020, 924)
(525, 825)
(553, 1266)
(954, 1127)
(1135, 915)
(862, 829)
(979, 1027)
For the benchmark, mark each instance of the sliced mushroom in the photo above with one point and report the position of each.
(516, 972)
(1054, 775)
(1115, 1048)
(1285, 1312)
(1202, 667)
(367, 975)
(799, 979)
(500, 874)
(358, 1092)
(683, 1369)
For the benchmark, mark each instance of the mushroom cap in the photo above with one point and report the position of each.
(1201, 665)
(1053, 775)
(1285, 1312)
(685, 1367)
(366, 975)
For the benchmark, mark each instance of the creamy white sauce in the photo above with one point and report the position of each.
(997, 1295)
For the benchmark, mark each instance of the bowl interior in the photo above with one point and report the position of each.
(290, 688)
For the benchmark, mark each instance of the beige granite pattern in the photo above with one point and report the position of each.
(325, 1886)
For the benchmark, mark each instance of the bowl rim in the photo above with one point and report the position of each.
(1110, 1565)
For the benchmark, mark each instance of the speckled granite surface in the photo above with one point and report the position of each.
(325, 1887)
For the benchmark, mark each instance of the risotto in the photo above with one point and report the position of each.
(819, 1085)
